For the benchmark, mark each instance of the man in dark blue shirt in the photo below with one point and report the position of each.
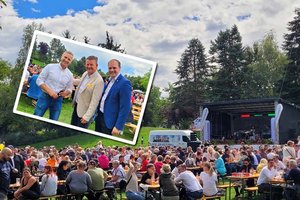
(5, 168)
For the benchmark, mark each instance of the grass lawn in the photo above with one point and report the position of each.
(39, 63)
(25, 105)
(86, 140)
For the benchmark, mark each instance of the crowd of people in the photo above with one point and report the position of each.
(75, 170)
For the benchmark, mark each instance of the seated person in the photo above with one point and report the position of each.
(98, 177)
(209, 180)
(132, 189)
(192, 186)
(219, 164)
(30, 188)
(117, 173)
(150, 176)
(293, 173)
(167, 184)
(266, 175)
(49, 182)
(246, 168)
(34, 90)
(79, 181)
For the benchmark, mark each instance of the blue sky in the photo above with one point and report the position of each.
(51, 8)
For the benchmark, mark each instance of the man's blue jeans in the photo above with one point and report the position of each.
(44, 102)
(135, 195)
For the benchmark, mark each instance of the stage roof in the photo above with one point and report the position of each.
(247, 105)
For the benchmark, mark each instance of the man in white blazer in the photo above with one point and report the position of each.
(88, 94)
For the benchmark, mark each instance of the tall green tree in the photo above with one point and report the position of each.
(111, 45)
(190, 89)
(56, 50)
(67, 34)
(227, 57)
(266, 63)
(289, 86)
(26, 40)
(43, 51)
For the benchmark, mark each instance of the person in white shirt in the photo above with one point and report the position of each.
(209, 179)
(193, 188)
(266, 175)
(56, 81)
(289, 151)
(49, 182)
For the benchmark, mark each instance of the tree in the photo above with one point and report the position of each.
(56, 50)
(26, 40)
(227, 57)
(266, 63)
(86, 39)
(109, 44)
(190, 90)
(289, 85)
(43, 51)
(156, 110)
(67, 34)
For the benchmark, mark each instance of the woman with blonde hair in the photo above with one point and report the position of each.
(209, 180)
(263, 162)
(167, 184)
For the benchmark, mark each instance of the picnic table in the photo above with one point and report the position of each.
(241, 177)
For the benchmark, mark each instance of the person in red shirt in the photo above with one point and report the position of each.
(103, 161)
(158, 165)
(144, 163)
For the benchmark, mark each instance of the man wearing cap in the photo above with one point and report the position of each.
(266, 175)
(87, 94)
(56, 81)
(5, 169)
(115, 104)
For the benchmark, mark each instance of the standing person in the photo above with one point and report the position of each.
(5, 169)
(17, 163)
(188, 179)
(115, 102)
(49, 182)
(87, 94)
(289, 151)
(167, 184)
(56, 81)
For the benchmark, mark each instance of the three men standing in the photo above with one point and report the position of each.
(56, 81)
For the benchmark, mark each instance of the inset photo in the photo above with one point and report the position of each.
(84, 87)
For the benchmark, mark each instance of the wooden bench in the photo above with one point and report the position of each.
(131, 126)
(211, 197)
(254, 190)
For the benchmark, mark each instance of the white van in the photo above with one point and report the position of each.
(171, 138)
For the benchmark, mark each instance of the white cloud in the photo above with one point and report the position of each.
(70, 12)
(162, 33)
(35, 10)
(33, 1)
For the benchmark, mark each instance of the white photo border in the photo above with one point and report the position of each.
(153, 70)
